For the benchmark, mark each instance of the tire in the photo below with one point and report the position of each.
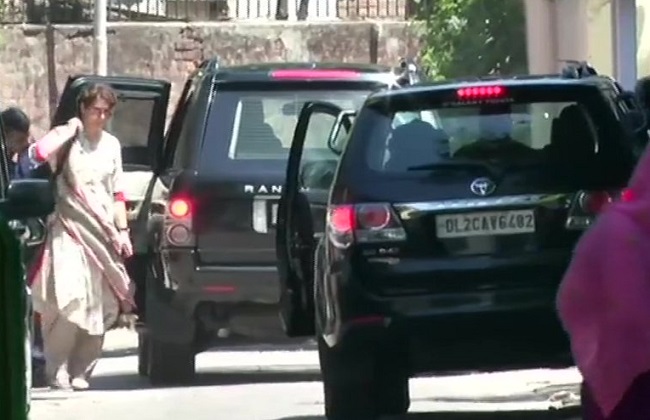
(143, 355)
(361, 382)
(170, 363)
(347, 380)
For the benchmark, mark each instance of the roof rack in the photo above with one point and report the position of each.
(578, 70)
(409, 73)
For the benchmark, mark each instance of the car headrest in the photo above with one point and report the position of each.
(414, 143)
(577, 136)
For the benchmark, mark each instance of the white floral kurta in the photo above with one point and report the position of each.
(80, 292)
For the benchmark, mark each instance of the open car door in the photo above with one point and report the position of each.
(138, 122)
(302, 209)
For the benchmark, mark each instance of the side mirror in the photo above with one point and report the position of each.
(28, 198)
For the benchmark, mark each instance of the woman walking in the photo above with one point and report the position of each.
(79, 282)
(604, 304)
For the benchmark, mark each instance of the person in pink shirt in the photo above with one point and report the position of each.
(604, 305)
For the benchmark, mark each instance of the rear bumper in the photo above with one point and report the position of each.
(439, 312)
(421, 288)
(496, 322)
(486, 341)
(219, 283)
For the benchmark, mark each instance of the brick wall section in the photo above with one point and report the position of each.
(35, 61)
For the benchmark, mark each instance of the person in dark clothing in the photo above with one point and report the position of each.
(16, 126)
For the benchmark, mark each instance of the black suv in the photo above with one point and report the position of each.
(203, 196)
(439, 237)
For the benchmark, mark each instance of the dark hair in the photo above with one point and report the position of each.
(15, 119)
(642, 91)
(96, 91)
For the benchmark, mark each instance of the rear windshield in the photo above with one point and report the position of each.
(526, 127)
(260, 124)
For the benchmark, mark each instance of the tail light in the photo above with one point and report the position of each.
(315, 74)
(363, 223)
(587, 205)
(477, 93)
(179, 208)
(178, 222)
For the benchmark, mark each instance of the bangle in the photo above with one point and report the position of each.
(123, 229)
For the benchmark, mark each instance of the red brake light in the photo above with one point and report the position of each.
(627, 195)
(179, 208)
(314, 74)
(587, 205)
(595, 202)
(481, 92)
(343, 219)
(363, 223)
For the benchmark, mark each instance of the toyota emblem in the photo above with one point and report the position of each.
(482, 186)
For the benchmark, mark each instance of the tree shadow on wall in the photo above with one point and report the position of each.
(53, 90)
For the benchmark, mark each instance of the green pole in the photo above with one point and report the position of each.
(14, 332)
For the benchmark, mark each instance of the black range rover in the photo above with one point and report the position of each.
(439, 241)
(207, 268)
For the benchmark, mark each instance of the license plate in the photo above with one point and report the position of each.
(512, 222)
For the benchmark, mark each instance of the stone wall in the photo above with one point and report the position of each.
(36, 60)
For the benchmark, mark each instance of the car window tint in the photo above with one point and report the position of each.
(530, 129)
(264, 122)
(131, 122)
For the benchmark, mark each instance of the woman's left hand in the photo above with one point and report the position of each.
(126, 247)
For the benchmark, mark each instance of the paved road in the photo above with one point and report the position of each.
(281, 383)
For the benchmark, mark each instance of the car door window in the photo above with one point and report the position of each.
(318, 163)
(177, 123)
(131, 120)
(181, 144)
(139, 118)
